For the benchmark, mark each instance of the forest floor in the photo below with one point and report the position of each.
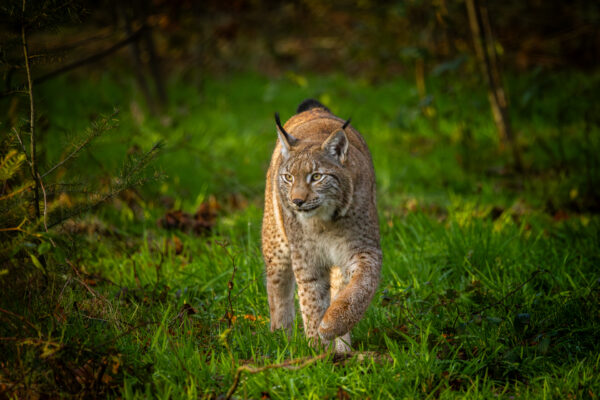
(490, 281)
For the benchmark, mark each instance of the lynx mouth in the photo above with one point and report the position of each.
(307, 209)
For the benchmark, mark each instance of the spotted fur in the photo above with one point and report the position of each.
(320, 229)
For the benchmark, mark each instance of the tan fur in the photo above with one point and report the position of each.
(322, 235)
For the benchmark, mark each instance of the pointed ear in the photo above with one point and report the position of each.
(287, 140)
(336, 146)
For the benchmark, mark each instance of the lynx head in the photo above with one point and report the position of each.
(313, 180)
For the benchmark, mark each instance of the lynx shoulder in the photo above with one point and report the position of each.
(320, 229)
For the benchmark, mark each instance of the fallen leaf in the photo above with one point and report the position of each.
(201, 222)
(342, 394)
(560, 215)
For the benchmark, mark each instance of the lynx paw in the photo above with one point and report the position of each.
(333, 323)
(325, 332)
(328, 330)
(341, 344)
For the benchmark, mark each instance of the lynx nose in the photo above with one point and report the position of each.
(298, 202)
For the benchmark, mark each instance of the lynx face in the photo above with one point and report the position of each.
(312, 183)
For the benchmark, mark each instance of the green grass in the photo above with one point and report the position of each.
(487, 290)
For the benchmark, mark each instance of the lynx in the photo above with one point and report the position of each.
(320, 228)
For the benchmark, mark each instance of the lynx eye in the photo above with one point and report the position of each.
(288, 178)
(316, 177)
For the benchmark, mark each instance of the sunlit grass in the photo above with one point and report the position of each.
(486, 292)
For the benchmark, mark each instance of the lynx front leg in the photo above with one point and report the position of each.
(280, 278)
(338, 282)
(352, 301)
(280, 291)
(313, 293)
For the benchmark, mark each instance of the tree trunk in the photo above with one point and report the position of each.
(485, 50)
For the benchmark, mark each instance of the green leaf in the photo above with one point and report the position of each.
(43, 248)
(37, 263)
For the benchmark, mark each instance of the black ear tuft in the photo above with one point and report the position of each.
(309, 104)
(346, 123)
(278, 123)
(287, 140)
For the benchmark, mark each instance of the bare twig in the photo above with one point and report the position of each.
(103, 34)
(87, 140)
(18, 228)
(181, 364)
(292, 365)
(501, 301)
(32, 142)
(16, 132)
(82, 281)
(58, 300)
(125, 182)
(89, 289)
(16, 192)
(88, 60)
(515, 290)
(35, 328)
(127, 332)
(242, 290)
(409, 315)
(229, 314)
(15, 91)
(45, 209)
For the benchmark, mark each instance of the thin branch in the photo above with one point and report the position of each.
(124, 184)
(45, 209)
(45, 205)
(82, 281)
(88, 60)
(292, 365)
(35, 328)
(127, 332)
(76, 64)
(16, 132)
(32, 143)
(515, 290)
(13, 229)
(104, 34)
(501, 301)
(246, 287)
(229, 314)
(16, 192)
(9, 92)
(410, 314)
(20, 229)
(82, 145)
(181, 364)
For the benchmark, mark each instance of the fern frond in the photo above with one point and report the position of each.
(25, 186)
(10, 164)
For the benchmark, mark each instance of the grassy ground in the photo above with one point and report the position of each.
(490, 283)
